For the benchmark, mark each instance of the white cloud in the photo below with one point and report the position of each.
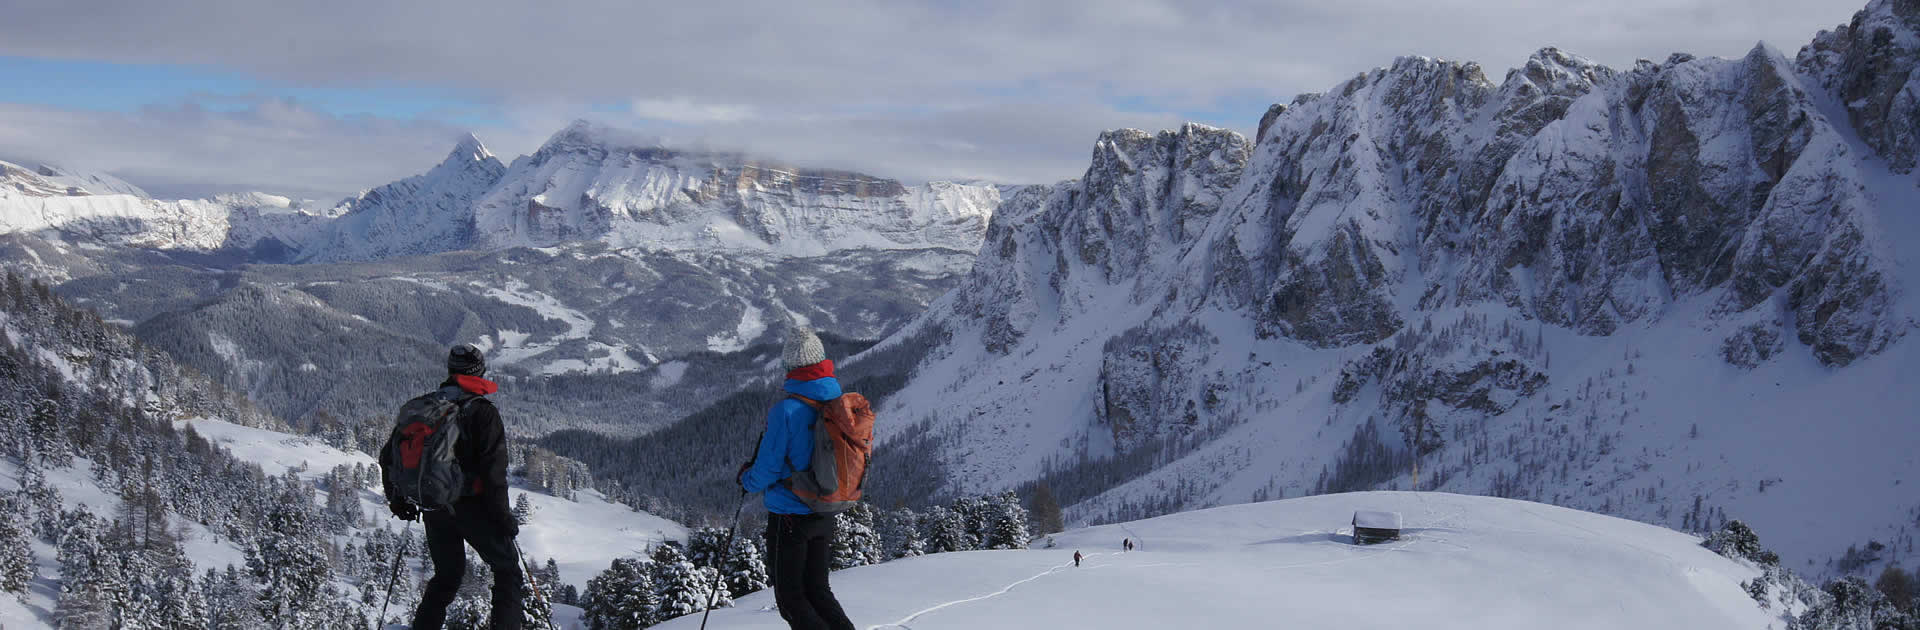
(190, 151)
(1008, 89)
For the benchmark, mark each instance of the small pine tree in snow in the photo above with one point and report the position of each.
(856, 543)
(1850, 604)
(945, 531)
(745, 568)
(536, 610)
(1009, 527)
(230, 600)
(620, 598)
(703, 546)
(469, 613)
(522, 509)
(16, 557)
(182, 602)
(974, 513)
(677, 583)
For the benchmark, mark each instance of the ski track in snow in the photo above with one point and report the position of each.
(1009, 588)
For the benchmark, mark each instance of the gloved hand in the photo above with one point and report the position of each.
(403, 510)
(741, 477)
(508, 525)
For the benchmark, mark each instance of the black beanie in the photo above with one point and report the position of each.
(466, 359)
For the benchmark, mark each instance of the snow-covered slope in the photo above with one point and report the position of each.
(1668, 293)
(580, 535)
(1465, 562)
(100, 210)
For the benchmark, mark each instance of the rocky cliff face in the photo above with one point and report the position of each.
(1425, 247)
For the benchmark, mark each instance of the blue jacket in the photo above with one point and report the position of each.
(787, 446)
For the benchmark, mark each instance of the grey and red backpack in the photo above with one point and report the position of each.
(423, 469)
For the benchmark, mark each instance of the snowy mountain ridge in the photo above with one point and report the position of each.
(1527, 285)
(587, 183)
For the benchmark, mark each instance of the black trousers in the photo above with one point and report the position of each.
(800, 549)
(448, 536)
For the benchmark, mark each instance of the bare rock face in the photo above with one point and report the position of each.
(1869, 65)
(1054, 252)
(1142, 395)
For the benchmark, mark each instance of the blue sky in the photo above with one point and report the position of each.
(202, 96)
(127, 87)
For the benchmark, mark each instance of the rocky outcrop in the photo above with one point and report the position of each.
(1869, 65)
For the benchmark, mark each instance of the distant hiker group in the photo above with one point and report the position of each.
(446, 465)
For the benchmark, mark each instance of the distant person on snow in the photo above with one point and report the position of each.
(1126, 544)
(1076, 558)
(480, 516)
(800, 542)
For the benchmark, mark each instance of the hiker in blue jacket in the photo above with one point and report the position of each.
(799, 542)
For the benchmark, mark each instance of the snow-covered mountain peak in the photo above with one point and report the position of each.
(46, 180)
(426, 213)
(590, 182)
(469, 150)
(1396, 231)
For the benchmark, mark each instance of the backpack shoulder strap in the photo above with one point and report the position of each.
(815, 404)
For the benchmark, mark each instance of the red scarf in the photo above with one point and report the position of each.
(475, 385)
(817, 371)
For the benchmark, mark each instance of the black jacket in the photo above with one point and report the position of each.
(481, 451)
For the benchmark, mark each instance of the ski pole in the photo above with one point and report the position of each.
(395, 577)
(534, 583)
(719, 571)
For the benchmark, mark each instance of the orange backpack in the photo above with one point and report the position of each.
(842, 447)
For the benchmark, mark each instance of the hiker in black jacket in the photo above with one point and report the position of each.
(481, 518)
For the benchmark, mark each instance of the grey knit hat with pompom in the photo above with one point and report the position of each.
(803, 348)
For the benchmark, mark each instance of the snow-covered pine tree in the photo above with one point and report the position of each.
(230, 600)
(596, 603)
(470, 612)
(677, 583)
(1009, 527)
(182, 603)
(536, 610)
(288, 560)
(550, 574)
(620, 598)
(745, 568)
(87, 584)
(522, 509)
(945, 530)
(712, 598)
(16, 556)
(974, 513)
(856, 544)
(636, 602)
(703, 546)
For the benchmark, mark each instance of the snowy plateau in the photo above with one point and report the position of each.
(1464, 562)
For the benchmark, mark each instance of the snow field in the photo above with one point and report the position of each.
(1465, 562)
